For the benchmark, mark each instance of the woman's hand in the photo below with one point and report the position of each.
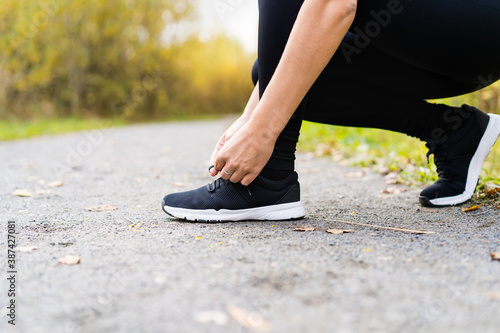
(318, 31)
(228, 134)
(242, 157)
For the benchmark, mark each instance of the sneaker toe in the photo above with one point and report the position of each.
(195, 199)
(440, 190)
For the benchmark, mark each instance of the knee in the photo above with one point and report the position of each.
(346, 8)
(350, 7)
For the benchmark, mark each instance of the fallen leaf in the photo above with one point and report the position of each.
(391, 178)
(217, 317)
(393, 190)
(253, 321)
(25, 248)
(22, 193)
(470, 209)
(495, 256)
(493, 295)
(308, 228)
(338, 231)
(367, 250)
(323, 149)
(359, 174)
(492, 188)
(101, 208)
(42, 192)
(69, 260)
(55, 184)
(310, 171)
(178, 184)
(135, 226)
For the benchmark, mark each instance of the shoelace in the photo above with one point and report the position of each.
(217, 184)
(220, 183)
(440, 160)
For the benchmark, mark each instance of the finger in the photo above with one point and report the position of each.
(219, 164)
(237, 176)
(213, 172)
(225, 174)
(214, 155)
(217, 149)
(248, 179)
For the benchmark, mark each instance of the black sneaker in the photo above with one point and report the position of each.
(222, 200)
(459, 159)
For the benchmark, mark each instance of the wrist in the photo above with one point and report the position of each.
(269, 127)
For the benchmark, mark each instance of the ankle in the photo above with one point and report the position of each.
(274, 174)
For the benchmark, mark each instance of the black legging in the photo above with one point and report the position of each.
(396, 55)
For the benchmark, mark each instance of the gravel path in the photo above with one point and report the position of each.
(142, 271)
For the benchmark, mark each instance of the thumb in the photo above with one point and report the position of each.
(213, 158)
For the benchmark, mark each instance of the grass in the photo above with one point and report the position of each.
(386, 152)
(13, 130)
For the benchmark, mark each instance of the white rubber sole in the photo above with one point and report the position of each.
(288, 211)
(487, 141)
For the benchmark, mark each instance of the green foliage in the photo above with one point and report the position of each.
(389, 151)
(112, 58)
(487, 99)
(383, 150)
(12, 130)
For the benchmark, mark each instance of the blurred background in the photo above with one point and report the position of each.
(132, 60)
(128, 59)
(70, 65)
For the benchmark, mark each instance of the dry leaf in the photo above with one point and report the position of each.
(25, 248)
(101, 208)
(310, 171)
(42, 192)
(359, 174)
(495, 256)
(391, 178)
(22, 193)
(69, 260)
(493, 295)
(178, 184)
(55, 184)
(393, 190)
(338, 231)
(323, 149)
(492, 188)
(470, 209)
(253, 321)
(308, 228)
(217, 317)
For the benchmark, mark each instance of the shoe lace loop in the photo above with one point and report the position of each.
(217, 184)
(220, 183)
(440, 159)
